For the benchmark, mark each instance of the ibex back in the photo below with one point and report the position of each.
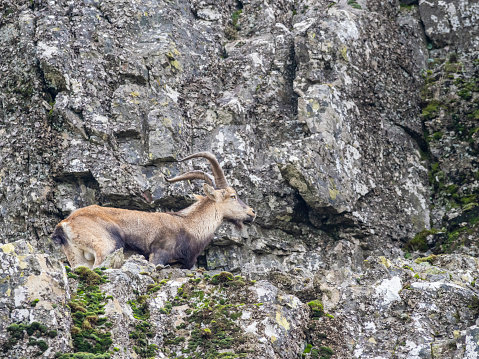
(90, 234)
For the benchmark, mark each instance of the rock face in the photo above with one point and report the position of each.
(451, 118)
(349, 126)
(34, 291)
(125, 89)
(426, 308)
(451, 23)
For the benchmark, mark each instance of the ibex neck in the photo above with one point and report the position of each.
(202, 219)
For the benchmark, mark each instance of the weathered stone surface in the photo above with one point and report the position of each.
(405, 308)
(451, 118)
(451, 23)
(33, 289)
(259, 320)
(415, 309)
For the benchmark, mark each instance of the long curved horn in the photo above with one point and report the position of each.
(194, 175)
(215, 166)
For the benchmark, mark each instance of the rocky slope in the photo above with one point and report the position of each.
(350, 127)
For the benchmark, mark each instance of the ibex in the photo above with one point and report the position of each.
(90, 234)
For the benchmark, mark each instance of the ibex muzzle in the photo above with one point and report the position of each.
(90, 234)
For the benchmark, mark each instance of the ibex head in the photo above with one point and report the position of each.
(216, 189)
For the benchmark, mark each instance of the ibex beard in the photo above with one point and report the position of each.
(92, 233)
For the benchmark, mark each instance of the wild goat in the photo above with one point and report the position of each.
(90, 234)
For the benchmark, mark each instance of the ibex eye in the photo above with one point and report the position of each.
(233, 196)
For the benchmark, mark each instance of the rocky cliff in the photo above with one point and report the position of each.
(350, 126)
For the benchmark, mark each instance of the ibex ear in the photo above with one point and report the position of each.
(210, 192)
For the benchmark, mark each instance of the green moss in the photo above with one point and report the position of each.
(322, 353)
(34, 302)
(469, 199)
(34, 331)
(235, 316)
(407, 7)
(222, 277)
(142, 330)
(317, 308)
(176, 340)
(430, 111)
(82, 356)
(210, 321)
(452, 237)
(452, 189)
(354, 4)
(50, 113)
(437, 136)
(419, 242)
(86, 307)
(225, 277)
(152, 288)
(465, 94)
(469, 206)
(307, 349)
(88, 277)
(235, 18)
(430, 259)
(140, 308)
(42, 345)
(474, 304)
(453, 67)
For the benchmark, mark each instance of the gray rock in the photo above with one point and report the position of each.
(33, 289)
(451, 23)
(316, 111)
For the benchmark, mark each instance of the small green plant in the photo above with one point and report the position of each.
(235, 18)
(321, 353)
(469, 206)
(34, 331)
(307, 350)
(437, 136)
(474, 305)
(317, 308)
(354, 4)
(465, 94)
(430, 259)
(430, 111)
(222, 277)
(419, 242)
(87, 307)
